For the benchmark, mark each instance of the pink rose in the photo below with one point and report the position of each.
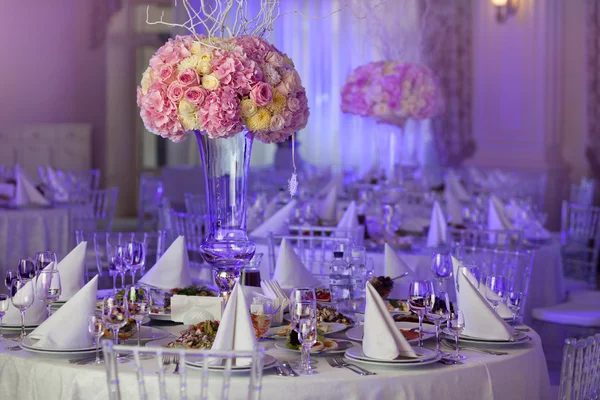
(287, 116)
(188, 77)
(196, 95)
(293, 104)
(277, 122)
(282, 89)
(165, 72)
(175, 91)
(274, 58)
(262, 94)
(291, 79)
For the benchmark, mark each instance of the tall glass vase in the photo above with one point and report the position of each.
(226, 248)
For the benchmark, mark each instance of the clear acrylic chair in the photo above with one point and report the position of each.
(150, 197)
(580, 237)
(195, 203)
(315, 252)
(580, 371)
(356, 235)
(583, 193)
(496, 239)
(154, 376)
(103, 203)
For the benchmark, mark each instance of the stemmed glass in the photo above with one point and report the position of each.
(113, 255)
(514, 300)
(303, 307)
(44, 258)
(417, 295)
(4, 302)
(96, 328)
(307, 330)
(26, 269)
(23, 297)
(9, 278)
(441, 266)
(474, 274)
(137, 305)
(261, 313)
(495, 290)
(114, 315)
(456, 325)
(438, 311)
(134, 256)
(48, 288)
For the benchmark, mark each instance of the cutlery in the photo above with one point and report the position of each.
(288, 367)
(280, 370)
(400, 276)
(522, 329)
(176, 362)
(82, 361)
(166, 360)
(447, 361)
(343, 363)
(486, 351)
(13, 348)
(334, 364)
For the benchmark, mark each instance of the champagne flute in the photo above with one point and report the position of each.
(96, 328)
(456, 325)
(44, 258)
(22, 299)
(4, 303)
(514, 300)
(417, 295)
(134, 256)
(114, 314)
(26, 269)
(48, 288)
(137, 305)
(438, 311)
(441, 266)
(495, 290)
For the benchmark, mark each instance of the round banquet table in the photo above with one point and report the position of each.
(522, 374)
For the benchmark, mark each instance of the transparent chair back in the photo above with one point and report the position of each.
(495, 239)
(195, 204)
(583, 193)
(193, 227)
(315, 252)
(150, 197)
(356, 235)
(580, 236)
(152, 376)
(103, 203)
(580, 371)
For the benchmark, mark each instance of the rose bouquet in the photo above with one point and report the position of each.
(221, 86)
(391, 92)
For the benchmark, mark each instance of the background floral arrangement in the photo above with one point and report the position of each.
(392, 92)
(222, 86)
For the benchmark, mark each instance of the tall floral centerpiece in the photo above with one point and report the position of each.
(391, 92)
(226, 91)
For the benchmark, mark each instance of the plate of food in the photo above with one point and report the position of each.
(322, 346)
(328, 314)
(199, 336)
(325, 328)
(323, 295)
(409, 330)
(161, 300)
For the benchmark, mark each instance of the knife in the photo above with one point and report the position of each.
(280, 370)
(288, 367)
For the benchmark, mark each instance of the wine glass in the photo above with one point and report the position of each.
(96, 328)
(4, 303)
(23, 297)
(307, 329)
(302, 305)
(261, 313)
(134, 256)
(137, 305)
(48, 288)
(441, 266)
(417, 294)
(26, 269)
(114, 314)
(438, 311)
(514, 300)
(113, 256)
(44, 258)
(473, 275)
(456, 325)
(9, 278)
(495, 290)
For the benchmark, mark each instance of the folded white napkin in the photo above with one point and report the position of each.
(72, 272)
(453, 183)
(337, 181)
(277, 223)
(7, 190)
(271, 207)
(290, 272)
(535, 230)
(453, 207)
(257, 212)
(477, 176)
(496, 217)
(180, 305)
(172, 270)
(26, 192)
(481, 321)
(349, 219)
(382, 338)
(437, 227)
(34, 315)
(67, 328)
(327, 208)
(395, 266)
(273, 291)
(235, 330)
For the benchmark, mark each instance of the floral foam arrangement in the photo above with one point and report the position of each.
(391, 92)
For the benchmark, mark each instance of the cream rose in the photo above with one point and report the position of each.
(190, 62)
(210, 82)
(249, 108)
(187, 115)
(274, 58)
(204, 68)
(277, 122)
(197, 48)
(206, 57)
(146, 80)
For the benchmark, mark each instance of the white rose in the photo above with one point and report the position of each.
(146, 80)
(271, 75)
(248, 108)
(277, 122)
(204, 68)
(210, 82)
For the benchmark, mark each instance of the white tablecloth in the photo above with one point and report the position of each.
(520, 375)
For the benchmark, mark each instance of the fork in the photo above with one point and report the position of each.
(166, 360)
(486, 351)
(176, 362)
(343, 363)
(334, 364)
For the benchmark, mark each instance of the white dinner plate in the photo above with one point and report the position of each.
(148, 334)
(17, 328)
(269, 362)
(518, 338)
(340, 347)
(28, 344)
(426, 356)
(277, 332)
(160, 316)
(357, 332)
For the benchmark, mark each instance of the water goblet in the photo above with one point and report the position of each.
(134, 256)
(48, 288)
(96, 328)
(114, 315)
(26, 269)
(261, 314)
(473, 274)
(441, 266)
(302, 305)
(495, 290)
(514, 300)
(23, 297)
(307, 328)
(456, 325)
(438, 311)
(9, 278)
(417, 295)
(113, 255)
(44, 258)
(4, 303)
(137, 306)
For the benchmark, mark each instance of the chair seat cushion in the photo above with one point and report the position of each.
(571, 313)
(572, 285)
(585, 296)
